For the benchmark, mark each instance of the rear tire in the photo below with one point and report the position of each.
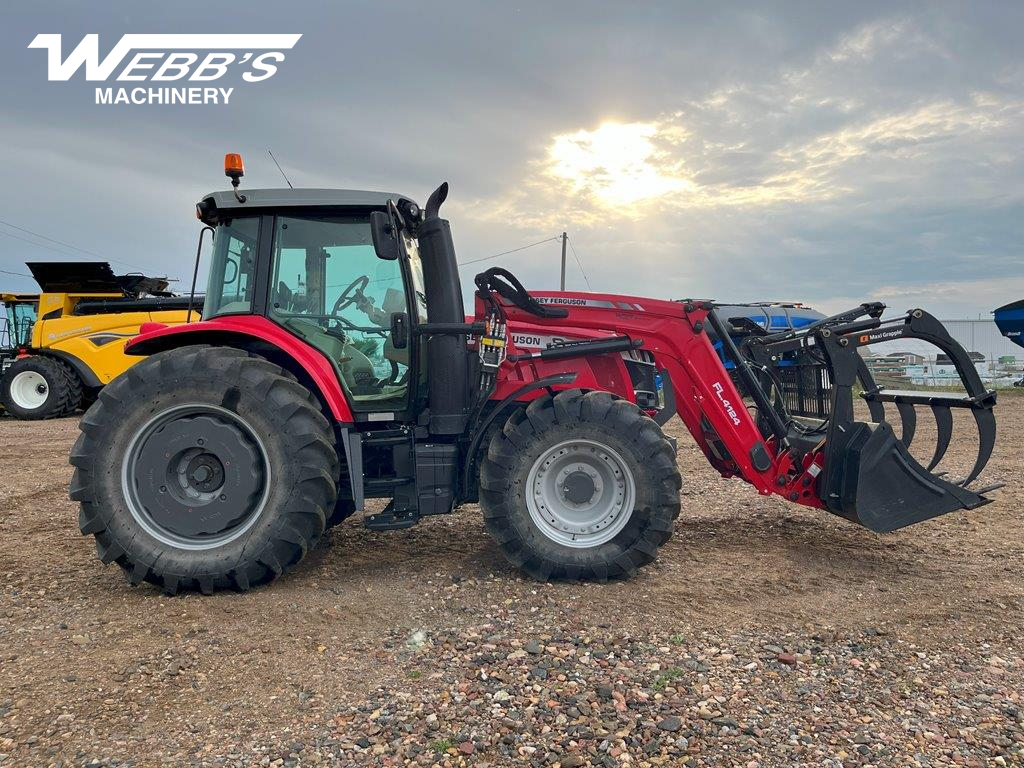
(40, 387)
(204, 468)
(580, 487)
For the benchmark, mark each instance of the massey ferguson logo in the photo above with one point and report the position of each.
(532, 341)
(726, 404)
(562, 301)
(168, 58)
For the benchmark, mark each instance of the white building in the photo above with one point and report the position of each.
(980, 336)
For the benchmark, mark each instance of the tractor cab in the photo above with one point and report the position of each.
(305, 260)
(20, 311)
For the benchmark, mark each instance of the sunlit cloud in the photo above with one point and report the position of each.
(636, 169)
(618, 164)
(811, 135)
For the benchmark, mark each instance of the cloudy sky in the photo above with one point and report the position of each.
(829, 153)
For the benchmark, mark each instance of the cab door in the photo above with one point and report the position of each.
(329, 287)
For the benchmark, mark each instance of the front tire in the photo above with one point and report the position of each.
(39, 387)
(580, 487)
(343, 510)
(204, 468)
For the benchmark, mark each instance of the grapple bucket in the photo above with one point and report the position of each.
(877, 483)
(870, 477)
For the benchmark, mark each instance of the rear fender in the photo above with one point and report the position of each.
(254, 334)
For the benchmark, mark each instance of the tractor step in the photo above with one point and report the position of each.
(388, 520)
(386, 437)
(384, 483)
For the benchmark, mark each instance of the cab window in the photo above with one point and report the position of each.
(234, 262)
(329, 288)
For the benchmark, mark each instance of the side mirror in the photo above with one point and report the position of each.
(399, 330)
(385, 236)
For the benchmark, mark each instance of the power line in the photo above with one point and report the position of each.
(52, 240)
(60, 242)
(33, 242)
(513, 250)
(571, 246)
(16, 274)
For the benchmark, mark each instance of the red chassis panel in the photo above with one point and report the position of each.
(240, 330)
(597, 372)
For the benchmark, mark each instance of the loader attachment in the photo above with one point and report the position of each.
(873, 480)
(869, 475)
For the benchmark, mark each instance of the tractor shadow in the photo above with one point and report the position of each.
(808, 544)
(789, 566)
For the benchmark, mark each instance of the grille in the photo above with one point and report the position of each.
(806, 389)
(642, 373)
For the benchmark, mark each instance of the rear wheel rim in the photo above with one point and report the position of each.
(580, 493)
(196, 476)
(29, 390)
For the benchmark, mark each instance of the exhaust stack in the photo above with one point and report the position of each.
(447, 357)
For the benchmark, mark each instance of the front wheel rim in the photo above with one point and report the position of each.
(195, 477)
(580, 493)
(29, 390)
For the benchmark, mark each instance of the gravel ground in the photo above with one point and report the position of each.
(765, 635)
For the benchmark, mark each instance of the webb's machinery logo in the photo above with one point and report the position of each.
(168, 58)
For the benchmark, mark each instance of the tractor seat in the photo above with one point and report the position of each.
(355, 367)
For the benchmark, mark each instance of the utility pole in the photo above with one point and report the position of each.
(565, 237)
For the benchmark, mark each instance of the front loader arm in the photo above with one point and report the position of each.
(706, 398)
(712, 407)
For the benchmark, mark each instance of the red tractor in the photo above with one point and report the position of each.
(335, 363)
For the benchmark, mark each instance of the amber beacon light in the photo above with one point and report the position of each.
(234, 169)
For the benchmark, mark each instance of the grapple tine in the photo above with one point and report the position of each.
(876, 409)
(908, 414)
(944, 423)
(986, 441)
(869, 475)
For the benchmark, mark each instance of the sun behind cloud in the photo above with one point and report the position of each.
(617, 164)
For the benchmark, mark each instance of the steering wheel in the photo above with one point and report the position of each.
(350, 294)
(344, 322)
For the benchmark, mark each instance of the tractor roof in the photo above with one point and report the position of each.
(294, 198)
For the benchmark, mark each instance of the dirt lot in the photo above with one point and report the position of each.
(765, 635)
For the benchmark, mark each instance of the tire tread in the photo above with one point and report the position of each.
(524, 429)
(301, 522)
